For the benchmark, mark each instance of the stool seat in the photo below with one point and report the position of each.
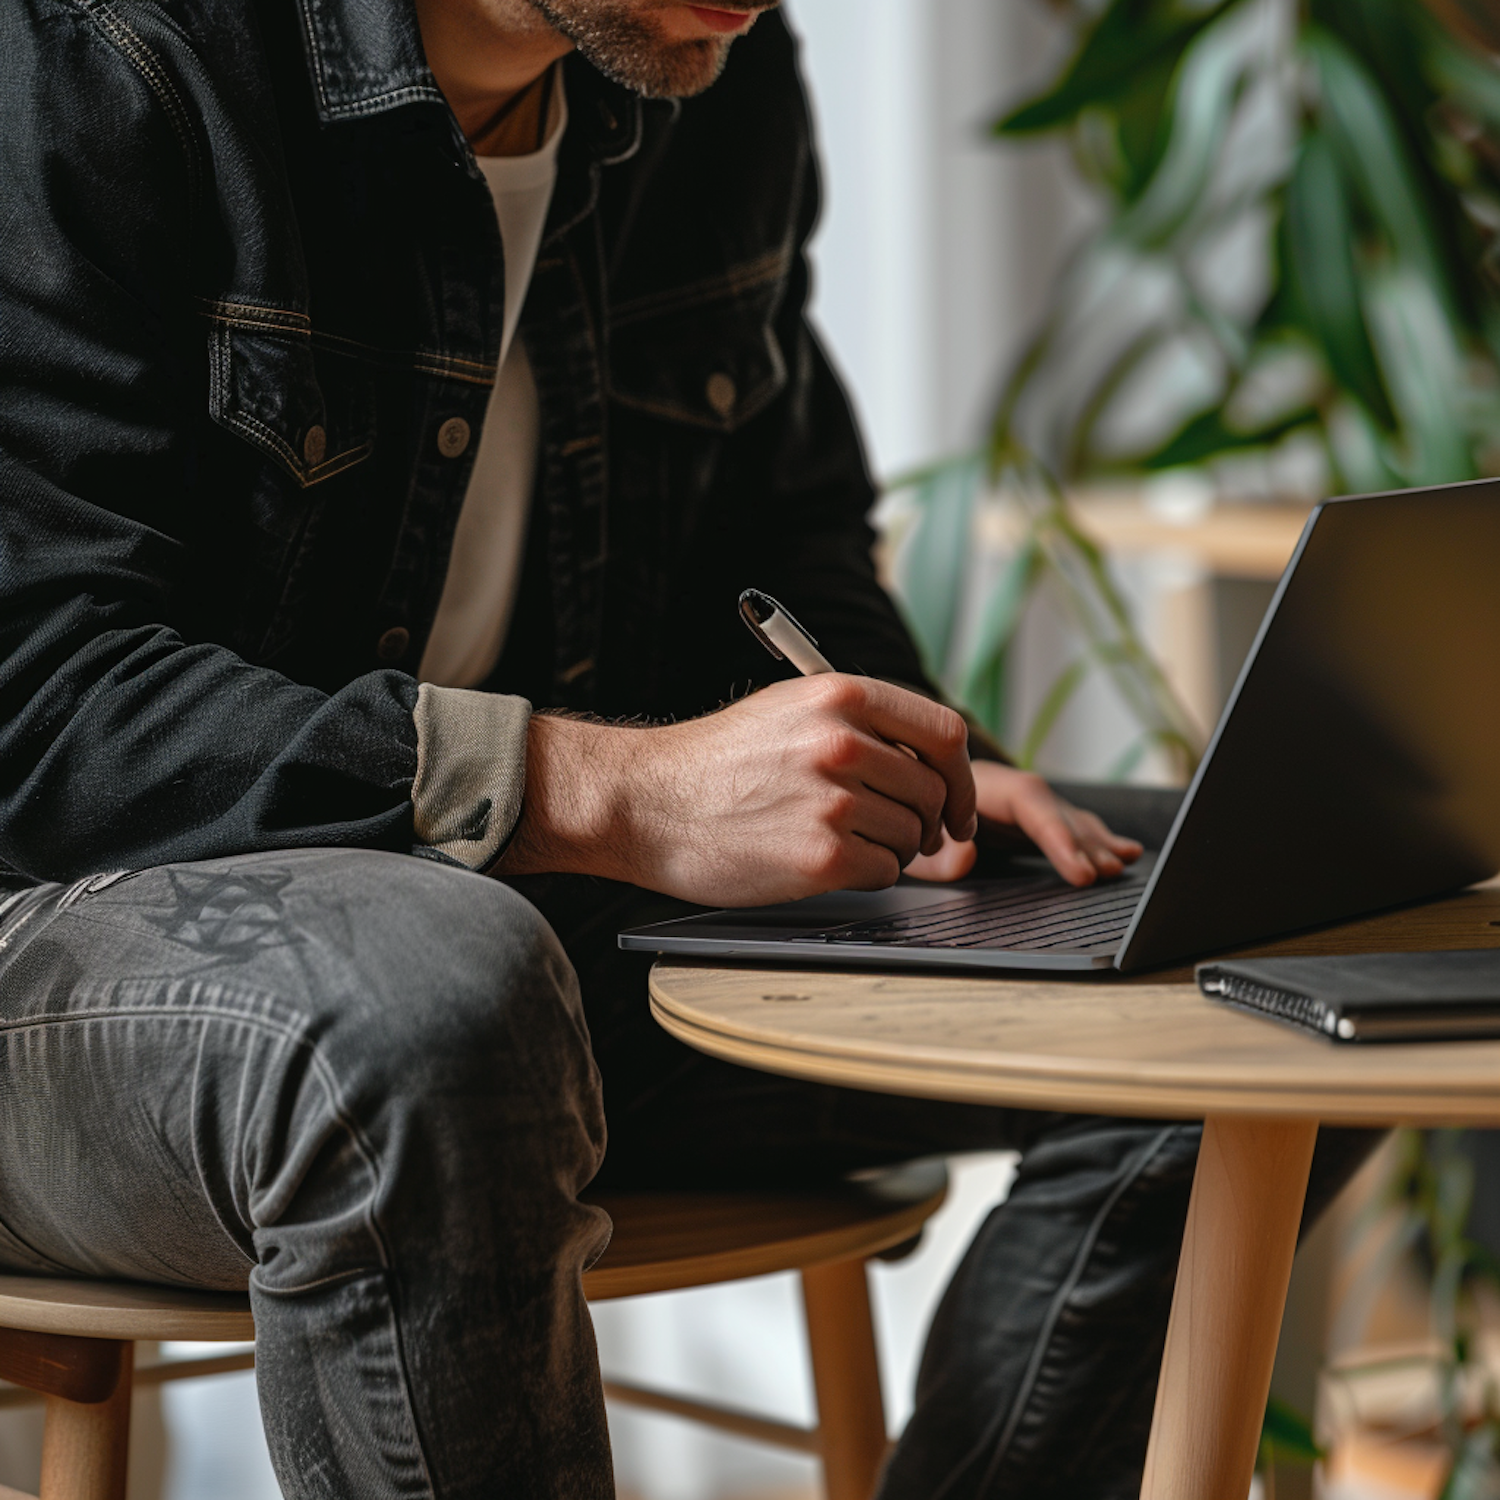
(663, 1241)
(123, 1310)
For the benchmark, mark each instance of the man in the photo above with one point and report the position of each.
(369, 374)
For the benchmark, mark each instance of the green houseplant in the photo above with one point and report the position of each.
(1296, 261)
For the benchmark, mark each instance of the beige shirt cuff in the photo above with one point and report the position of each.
(471, 771)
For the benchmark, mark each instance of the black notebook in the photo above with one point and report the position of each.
(1367, 997)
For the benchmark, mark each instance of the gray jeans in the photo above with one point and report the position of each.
(363, 1086)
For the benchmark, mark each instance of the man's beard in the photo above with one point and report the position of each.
(625, 46)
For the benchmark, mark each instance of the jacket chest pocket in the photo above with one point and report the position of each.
(706, 356)
(310, 412)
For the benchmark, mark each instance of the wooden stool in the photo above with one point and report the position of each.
(73, 1342)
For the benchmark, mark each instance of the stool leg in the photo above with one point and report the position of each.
(85, 1446)
(846, 1376)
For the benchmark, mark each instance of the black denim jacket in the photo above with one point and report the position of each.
(249, 271)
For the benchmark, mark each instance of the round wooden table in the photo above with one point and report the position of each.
(1152, 1047)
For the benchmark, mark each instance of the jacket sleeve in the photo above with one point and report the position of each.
(122, 743)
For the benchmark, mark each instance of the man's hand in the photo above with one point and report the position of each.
(1078, 844)
(802, 788)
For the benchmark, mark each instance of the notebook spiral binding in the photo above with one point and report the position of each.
(1286, 1005)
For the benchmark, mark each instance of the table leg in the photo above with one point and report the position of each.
(1226, 1310)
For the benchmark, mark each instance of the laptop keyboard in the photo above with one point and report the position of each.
(1036, 916)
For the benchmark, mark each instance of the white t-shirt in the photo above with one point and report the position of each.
(484, 567)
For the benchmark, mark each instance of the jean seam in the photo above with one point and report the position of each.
(377, 1230)
(296, 329)
(358, 1274)
(1049, 1325)
(148, 64)
(748, 276)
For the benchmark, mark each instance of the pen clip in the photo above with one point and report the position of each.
(756, 608)
(778, 630)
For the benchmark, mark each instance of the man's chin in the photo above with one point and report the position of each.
(668, 70)
(628, 48)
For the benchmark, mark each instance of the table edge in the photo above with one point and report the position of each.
(1036, 1088)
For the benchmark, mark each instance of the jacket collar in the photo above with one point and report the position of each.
(366, 58)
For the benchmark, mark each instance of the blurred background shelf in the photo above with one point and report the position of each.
(1245, 539)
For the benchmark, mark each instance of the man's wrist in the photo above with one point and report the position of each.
(578, 817)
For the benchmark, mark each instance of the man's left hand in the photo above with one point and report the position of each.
(1079, 845)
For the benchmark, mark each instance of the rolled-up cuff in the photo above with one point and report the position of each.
(471, 772)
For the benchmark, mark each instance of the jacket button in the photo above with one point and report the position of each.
(722, 393)
(314, 447)
(392, 645)
(453, 437)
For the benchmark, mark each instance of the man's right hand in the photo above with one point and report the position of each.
(812, 785)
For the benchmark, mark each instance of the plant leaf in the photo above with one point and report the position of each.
(1288, 1434)
(1140, 117)
(1129, 758)
(1323, 277)
(1360, 124)
(1424, 373)
(1208, 435)
(1050, 710)
(1471, 81)
(1131, 37)
(1202, 105)
(1359, 450)
(1474, 1475)
(983, 687)
(935, 558)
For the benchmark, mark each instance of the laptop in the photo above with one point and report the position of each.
(1356, 767)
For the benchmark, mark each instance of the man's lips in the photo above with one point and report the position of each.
(722, 20)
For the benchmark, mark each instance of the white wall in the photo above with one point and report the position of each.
(937, 243)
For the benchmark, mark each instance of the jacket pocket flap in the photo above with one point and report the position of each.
(310, 409)
(714, 364)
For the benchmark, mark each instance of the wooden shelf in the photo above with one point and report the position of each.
(1232, 539)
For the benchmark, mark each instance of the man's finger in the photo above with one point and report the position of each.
(1042, 817)
(872, 867)
(892, 773)
(952, 861)
(892, 825)
(1109, 852)
(938, 737)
